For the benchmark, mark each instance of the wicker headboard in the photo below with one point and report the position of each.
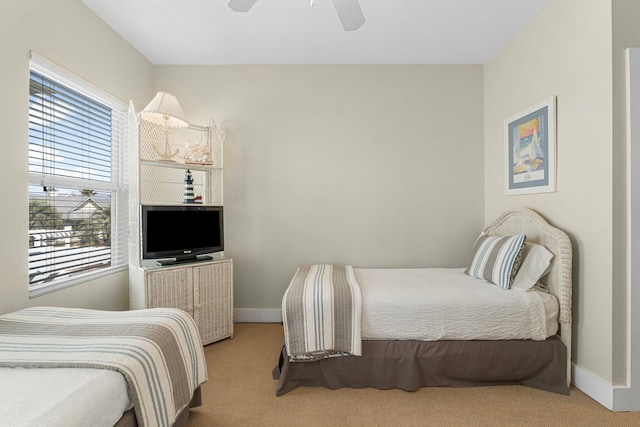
(559, 279)
(538, 230)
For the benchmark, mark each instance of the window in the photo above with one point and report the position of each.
(77, 180)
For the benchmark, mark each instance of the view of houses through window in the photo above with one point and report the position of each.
(73, 185)
(69, 232)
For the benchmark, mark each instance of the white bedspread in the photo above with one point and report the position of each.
(433, 304)
(61, 397)
(157, 350)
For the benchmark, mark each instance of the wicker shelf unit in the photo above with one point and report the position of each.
(203, 289)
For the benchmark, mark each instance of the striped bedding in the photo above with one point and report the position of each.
(157, 350)
(321, 311)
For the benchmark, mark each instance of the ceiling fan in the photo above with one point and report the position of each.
(349, 11)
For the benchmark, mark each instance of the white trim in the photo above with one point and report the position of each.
(42, 65)
(594, 386)
(117, 186)
(614, 398)
(41, 179)
(628, 398)
(49, 287)
(257, 315)
(625, 399)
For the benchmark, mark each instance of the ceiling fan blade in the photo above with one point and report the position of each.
(349, 13)
(241, 5)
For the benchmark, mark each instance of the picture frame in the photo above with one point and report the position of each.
(530, 149)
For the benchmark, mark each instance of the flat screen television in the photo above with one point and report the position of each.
(175, 234)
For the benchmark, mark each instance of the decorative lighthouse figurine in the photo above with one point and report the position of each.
(188, 188)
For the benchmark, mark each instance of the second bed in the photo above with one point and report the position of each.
(442, 327)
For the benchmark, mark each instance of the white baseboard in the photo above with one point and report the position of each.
(257, 315)
(626, 399)
(594, 386)
(615, 398)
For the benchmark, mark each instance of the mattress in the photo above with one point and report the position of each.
(61, 397)
(433, 304)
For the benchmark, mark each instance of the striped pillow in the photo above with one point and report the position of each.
(496, 259)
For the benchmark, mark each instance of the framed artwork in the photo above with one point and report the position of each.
(530, 149)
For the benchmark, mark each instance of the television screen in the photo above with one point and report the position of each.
(181, 232)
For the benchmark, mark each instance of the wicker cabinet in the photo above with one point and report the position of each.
(203, 289)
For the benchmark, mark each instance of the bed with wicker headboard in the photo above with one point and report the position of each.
(409, 364)
(559, 280)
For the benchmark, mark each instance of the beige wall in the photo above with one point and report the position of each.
(566, 51)
(70, 35)
(374, 166)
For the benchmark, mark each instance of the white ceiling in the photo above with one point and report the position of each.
(293, 32)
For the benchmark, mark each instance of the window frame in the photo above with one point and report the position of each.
(118, 186)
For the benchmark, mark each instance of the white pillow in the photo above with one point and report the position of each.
(536, 263)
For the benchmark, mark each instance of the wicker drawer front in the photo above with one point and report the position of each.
(213, 300)
(170, 288)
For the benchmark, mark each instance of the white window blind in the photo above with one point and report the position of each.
(77, 180)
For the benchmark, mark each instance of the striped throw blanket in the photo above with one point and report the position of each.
(158, 351)
(322, 311)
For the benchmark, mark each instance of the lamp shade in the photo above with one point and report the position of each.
(164, 109)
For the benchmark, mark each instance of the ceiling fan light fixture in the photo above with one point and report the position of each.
(241, 5)
(349, 11)
(350, 14)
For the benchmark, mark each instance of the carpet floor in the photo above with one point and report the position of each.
(241, 392)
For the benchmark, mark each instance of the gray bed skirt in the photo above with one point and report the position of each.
(409, 365)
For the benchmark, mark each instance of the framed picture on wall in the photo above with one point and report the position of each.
(530, 149)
